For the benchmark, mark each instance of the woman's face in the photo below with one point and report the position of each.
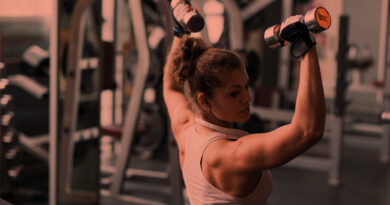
(231, 101)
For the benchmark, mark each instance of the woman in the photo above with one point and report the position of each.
(205, 90)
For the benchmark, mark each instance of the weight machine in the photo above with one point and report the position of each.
(128, 133)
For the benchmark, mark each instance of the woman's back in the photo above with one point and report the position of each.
(199, 189)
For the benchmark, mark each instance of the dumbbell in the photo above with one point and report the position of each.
(316, 20)
(2, 66)
(3, 84)
(190, 21)
(6, 120)
(359, 57)
(35, 60)
(10, 137)
(5, 102)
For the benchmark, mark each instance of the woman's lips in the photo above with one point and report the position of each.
(246, 110)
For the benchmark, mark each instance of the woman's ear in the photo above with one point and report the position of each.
(203, 101)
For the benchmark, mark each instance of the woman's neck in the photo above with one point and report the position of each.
(214, 120)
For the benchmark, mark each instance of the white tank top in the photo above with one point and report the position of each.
(199, 190)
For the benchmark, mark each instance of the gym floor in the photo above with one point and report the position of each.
(364, 181)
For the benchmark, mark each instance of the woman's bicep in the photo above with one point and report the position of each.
(272, 149)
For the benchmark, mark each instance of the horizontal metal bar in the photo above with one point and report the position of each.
(365, 127)
(254, 7)
(136, 172)
(273, 114)
(33, 148)
(128, 198)
(312, 163)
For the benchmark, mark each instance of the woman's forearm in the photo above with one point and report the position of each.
(310, 108)
(169, 67)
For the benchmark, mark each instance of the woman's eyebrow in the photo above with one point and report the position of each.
(235, 86)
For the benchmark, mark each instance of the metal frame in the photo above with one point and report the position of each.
(53, 98)
(384, 66)
(383, 131)
(132, 113)
(284, 55)
(236, 27)
(69, 120)
(254, 7)
(121, 172)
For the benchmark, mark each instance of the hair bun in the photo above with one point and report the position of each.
(191, 50)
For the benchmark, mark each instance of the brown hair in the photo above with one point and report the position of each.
(201, 66)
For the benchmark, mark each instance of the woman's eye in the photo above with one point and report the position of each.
(235, 94)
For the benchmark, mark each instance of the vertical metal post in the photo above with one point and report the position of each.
(384, 69)
(236, 27)
(53, 114)
(108, 54)
(383, 43)
(284, 56)
(342, 66)
(70, 109)
(335, 149)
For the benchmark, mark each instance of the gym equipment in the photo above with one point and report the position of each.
(190, 21)
(29, 85)
(4, 141)
(384, 63)
(142, 110)
(70, 190)
(359, 57)
(316, 20)
(35, 61)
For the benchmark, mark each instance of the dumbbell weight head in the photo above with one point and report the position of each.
(6, 120)
(3, 85)
(5, 101)
(2, 66)
(272, 38)
(189, 20)
(35, 60)
(365, 56)
(359, 57)
(10, 136)
(317, 20)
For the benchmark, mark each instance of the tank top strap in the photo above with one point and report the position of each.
(213, 137)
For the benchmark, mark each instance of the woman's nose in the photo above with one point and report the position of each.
(247, 97)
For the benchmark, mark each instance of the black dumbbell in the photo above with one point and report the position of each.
(35, 61)
(316, 20)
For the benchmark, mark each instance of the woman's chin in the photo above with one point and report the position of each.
(244, 118)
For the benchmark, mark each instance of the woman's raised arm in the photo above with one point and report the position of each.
(179, 108)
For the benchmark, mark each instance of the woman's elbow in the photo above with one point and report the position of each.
(315, 133)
